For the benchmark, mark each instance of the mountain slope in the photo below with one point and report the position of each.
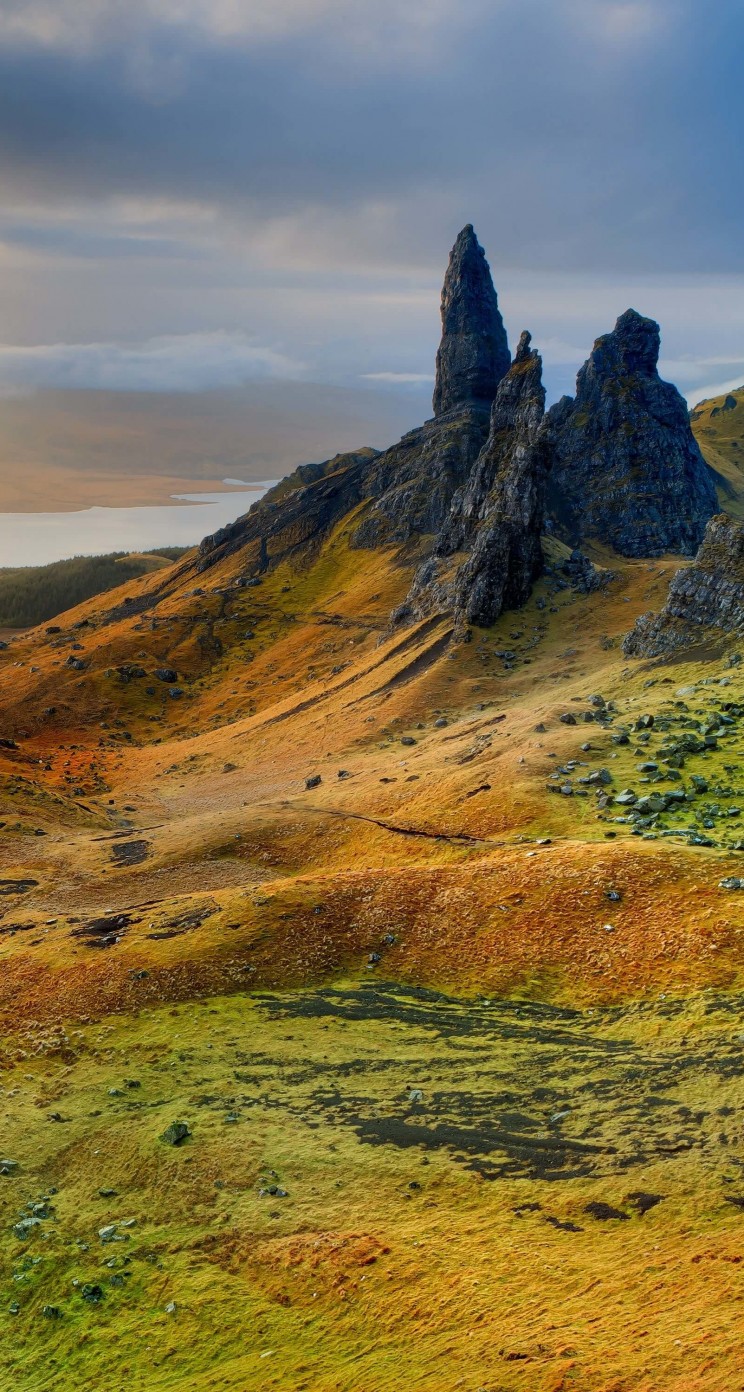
(372, 994)
(718, 427)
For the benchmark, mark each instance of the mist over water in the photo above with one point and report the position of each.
(36, 538)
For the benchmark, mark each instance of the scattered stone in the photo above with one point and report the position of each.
(26, 1227)
(93, 1293)
(176, 1133)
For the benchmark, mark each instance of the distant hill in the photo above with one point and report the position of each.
(718, 427)
(30, 595)
(71, 449)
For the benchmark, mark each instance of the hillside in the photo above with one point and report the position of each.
(372, 977)
(718, 427)
(30, 595)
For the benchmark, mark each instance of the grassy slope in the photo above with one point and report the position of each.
(719, 431)
(612, 1071)
(32, 595)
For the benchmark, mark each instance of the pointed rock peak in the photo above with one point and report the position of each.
(519, 403)
(631, 348)
(473, 355)
(523, 347)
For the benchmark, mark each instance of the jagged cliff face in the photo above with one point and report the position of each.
(412, 484)
(473, 355)
(705, 600)
(497, 516)
(466, 491)
(502, 510)
(626, 468)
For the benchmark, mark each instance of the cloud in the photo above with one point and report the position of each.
(715, 389)
(415, 378)
(180, 363)
(295, 171)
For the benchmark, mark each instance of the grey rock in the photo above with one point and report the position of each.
(496, 517)
(626, 467)
(473, 355)
(410, 487)
(313, 781)
(176, 1133)
(705, 601)
(26, 1227)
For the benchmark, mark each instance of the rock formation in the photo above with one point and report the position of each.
(473, 355)
(497, 516)
(626, 467)
(705, 600)
(413, 483)
(501, 515)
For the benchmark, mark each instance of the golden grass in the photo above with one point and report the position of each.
(253, 899)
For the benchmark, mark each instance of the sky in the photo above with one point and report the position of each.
(200, 193)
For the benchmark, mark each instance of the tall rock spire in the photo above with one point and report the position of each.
(627, 469)
(473, 355)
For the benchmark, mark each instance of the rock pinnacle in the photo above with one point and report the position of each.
(473, 355)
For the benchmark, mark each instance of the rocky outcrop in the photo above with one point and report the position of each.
(473, 354)
(497, 516)
(411, 486)
(501, 517)
(705, 600)
(626, 468)
(295, 517)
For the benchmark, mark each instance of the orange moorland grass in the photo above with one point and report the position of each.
(288, 967)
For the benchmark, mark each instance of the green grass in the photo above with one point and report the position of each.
(31, 595)
(387, 1262)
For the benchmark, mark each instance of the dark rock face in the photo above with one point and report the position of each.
(412, 484)
(706, 600)
(626, 467)
(473, 354)
(504, 503)
(295, 517)
(497, 516)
